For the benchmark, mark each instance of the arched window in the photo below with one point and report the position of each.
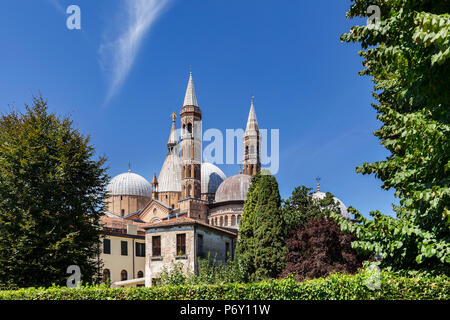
(123, 275)
(140, 274)
(233, 220)
(189, 127)
(106, 275)
(155, 211)
(246, 150)
(188, 172)
(189, 191)
(238, 219)
(221, 221)
(226, 221)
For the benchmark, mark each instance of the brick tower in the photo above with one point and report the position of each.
(191, 155)
(252, 142)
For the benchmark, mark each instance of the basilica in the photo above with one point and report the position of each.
(190, 211)
(188, 195)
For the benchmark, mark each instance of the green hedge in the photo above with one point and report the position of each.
(333, 287)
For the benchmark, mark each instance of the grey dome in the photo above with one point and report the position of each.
(234, 188)
(170, 175)
(212, 177)
(321, 195)
(129, 184)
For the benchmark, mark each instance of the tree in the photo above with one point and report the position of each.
(407, 54)
(245, 250)
(319, 247)
(261, 247)
(300, 207)
(51, 198)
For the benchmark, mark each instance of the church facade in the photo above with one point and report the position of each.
(189, 210)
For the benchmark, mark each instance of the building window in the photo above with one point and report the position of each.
(226, 221)
(106, 246)
(124, 248)
(140, 274)
(200, 245)
(140, 249)
(156, 281)
(123, 275)
(106, 275)
(233, 220)
(156, 246)
(122, 212)
(181, 244)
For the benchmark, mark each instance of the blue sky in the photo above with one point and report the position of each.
(122, 75)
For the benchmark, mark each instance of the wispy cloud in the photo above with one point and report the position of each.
(57, 6)
(117, 56)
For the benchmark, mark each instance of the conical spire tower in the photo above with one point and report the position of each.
(252, 141)
(190, 99)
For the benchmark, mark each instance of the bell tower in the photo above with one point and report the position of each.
(191, 144)
(252, 142)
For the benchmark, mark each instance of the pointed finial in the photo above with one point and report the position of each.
(174, 116)
(129, 166)
(318, 184)
(190, 70)
(253, 99)
(155, 180)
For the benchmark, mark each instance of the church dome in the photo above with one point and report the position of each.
(212, 177)
(129, 184)
(233, 188)
(170, 175)
(321, 195)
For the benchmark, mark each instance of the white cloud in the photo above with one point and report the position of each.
(118, 55)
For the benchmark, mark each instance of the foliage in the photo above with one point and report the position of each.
(334, 287)
(261, 247)
(300, 207)
(407, 55)
(51, 197)
(318, 248)
(245, 249)
(210, 271)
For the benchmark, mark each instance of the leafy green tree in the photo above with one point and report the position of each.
(51, 198)
(407, 55)
(300, 207)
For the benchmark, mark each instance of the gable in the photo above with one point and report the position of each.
(154, 211)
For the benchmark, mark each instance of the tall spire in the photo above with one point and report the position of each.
(252, 140)
(252, 123)
(190, 98)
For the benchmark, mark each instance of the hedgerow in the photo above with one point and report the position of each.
(388, 286)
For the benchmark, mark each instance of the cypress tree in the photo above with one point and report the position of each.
(268, 230)
(245, 251)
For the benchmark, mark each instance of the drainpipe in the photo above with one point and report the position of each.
(133, 258)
